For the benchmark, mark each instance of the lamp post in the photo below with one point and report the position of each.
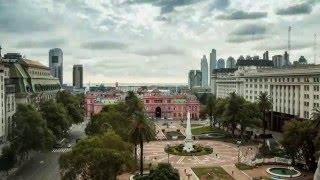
(167, 147)
(239, 143)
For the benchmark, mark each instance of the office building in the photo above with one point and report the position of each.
(204, 71)
(294, 90)
(213, 61)
(56, 63)
(231, 62)
(221, 64)
(77, 76)
(32, 80)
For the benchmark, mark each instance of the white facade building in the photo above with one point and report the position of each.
(204, 71)
(2, 108)
(294, 91)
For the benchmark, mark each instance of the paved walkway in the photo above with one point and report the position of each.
(235, 172)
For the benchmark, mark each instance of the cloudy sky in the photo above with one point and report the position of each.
(154, 41)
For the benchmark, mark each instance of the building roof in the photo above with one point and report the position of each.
(260, 62)
(33, 63)
(224, 70)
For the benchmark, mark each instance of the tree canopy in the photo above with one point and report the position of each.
(58, 121)
(30, 131)
(73, 105)
(164, 171)
(97, 157)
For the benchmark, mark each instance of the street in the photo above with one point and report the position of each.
(45, 166)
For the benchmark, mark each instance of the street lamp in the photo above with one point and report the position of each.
(167, 147)
(239, 143)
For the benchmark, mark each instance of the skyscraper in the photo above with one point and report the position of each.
(221, 64)
(191, 78)
(213, 62)
(56, 63)
(78, 76)
(198, 78)
(231, 62)
(204, 71)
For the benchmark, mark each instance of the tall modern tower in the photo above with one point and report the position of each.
(77, 76)
(56, 63)
(204, 71)
(213, 62)
(231, 62)
(221, 64)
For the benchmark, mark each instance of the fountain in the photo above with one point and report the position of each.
(188, 142)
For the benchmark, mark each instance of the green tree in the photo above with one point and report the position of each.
(8, 159)
(265, 105)
(249, 116)
(114, 119)
(220, 109)
(97, 157)
(164, 171)
(73, 105)
(57, 118)
(316, 123)
(142, 131)
(31, 131)
(232, 113)
(133, 103)
(298, 136)
(211, 109)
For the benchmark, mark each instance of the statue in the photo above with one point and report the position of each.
(188, 142)
(317, 173)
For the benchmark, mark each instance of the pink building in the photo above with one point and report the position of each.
(170, 106)
(95, 101)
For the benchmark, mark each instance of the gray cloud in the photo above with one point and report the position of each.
(283, 46)
(250, 29)
(303, 8)
(101, 45)
(242, 39)
(167, 6)
(159, 52)
(219, 4)
(239, 15)
(20, 17)
(51, 43)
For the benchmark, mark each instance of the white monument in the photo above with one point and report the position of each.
(188, 142)
(317, 173)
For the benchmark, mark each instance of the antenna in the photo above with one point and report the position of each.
(289, 39)
(315, 49)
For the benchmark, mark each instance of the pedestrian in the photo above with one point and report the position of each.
(232, 172)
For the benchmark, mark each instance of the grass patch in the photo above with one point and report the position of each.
(212, 173)
(243, 166)
(201, 130)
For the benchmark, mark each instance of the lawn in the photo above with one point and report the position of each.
(205, 129)
(212, 173)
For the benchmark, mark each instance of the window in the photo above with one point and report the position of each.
(147, 101)
(306, 87)
(306, 96)
(316, 88)
(316, 97)
(306, 104)
(306, 79)
(316, 105)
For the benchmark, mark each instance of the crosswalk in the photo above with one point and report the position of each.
(61, 150)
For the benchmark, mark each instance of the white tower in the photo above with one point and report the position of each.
(188, 142)
(204, 71)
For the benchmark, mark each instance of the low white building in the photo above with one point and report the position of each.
(294, 90)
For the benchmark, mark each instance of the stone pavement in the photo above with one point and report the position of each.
(235, 172)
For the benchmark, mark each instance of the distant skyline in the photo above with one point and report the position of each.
(154, 41)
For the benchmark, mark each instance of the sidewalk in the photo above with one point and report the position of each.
(184, 172)
(233, 171)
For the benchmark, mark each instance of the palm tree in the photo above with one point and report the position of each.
(265, 105)
(133, 103)
(142, 131)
